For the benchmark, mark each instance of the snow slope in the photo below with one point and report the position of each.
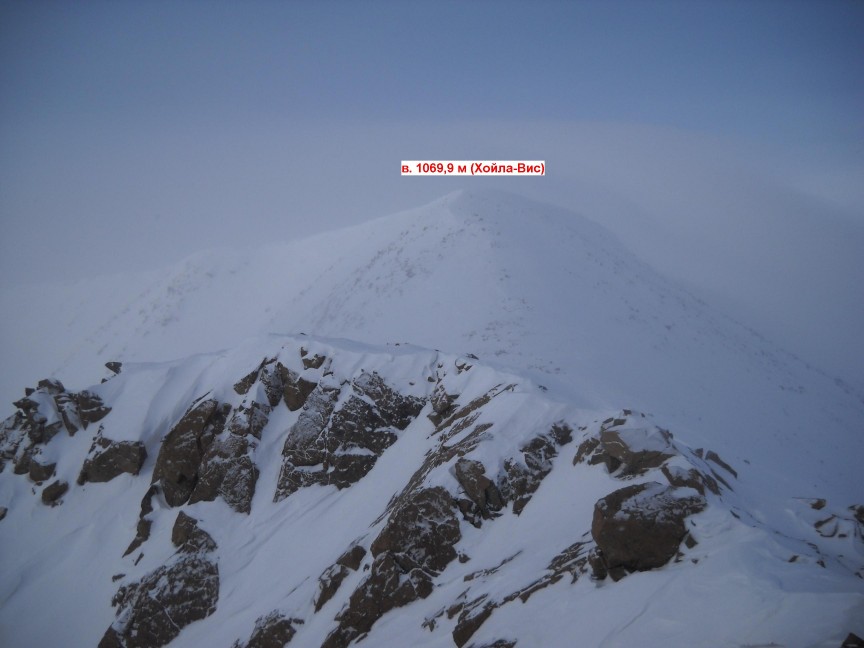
(746, 582)
(523, 285)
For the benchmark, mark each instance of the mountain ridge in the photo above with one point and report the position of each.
(512, 476)
(525, 287)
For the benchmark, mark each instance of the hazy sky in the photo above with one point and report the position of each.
(135, 133)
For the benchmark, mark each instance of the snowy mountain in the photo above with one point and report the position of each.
(321, 489)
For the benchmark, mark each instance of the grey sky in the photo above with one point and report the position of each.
(135, 133)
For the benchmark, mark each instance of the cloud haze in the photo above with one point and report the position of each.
(722, 141)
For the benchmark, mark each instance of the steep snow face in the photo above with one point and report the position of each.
(525, 286)
(322, 490)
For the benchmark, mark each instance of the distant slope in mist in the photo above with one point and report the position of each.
(522, 285)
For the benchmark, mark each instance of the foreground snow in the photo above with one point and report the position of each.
(750, 579)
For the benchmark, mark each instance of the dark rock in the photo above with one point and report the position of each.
(22, 461)
(182, 450)
(113, 458)
(249, 420)
(274, 630)
(416, 544)
(328, 584)
(640, 527)
(144, 523)
(50, 386)
(852, 641)
(619, 453)
(470, 621)
(114, 366)
(189, 537)
(12, 433)
(522, 479)
(330, 581)
(40, 472)
(243, 385)
(90, 408)
(442, 404)
(271, 380)
(295, 388)
(422, 532)
(227, 471)
(395, 409)
(304, 447)
(67, 408)
(352, 557)
(26, 404)
(314, 362)
(690, 478)
(482, 492)
(340, 447)
(3, 512)
(52, 493)
(713, 456)
(153, 611)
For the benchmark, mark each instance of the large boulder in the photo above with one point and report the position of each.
(53, 492)
(640, 527)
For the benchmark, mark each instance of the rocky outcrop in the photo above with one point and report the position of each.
(153, 611)
(40, 472)
(416, 544)
(627, 446)
(249, 420)
(339, 446)
(184, 447)
(484, 500)
(640, 527)
(142, 531)
(91, 409)
(522, 478)
(295, 388)
(275, 630)
(331, 579)
(12, 434)
(473, 613)
(109, 459)
(228, 471)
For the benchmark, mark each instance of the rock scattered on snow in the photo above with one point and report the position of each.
(52, 493)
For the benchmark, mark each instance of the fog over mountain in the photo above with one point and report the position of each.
(262, 390)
